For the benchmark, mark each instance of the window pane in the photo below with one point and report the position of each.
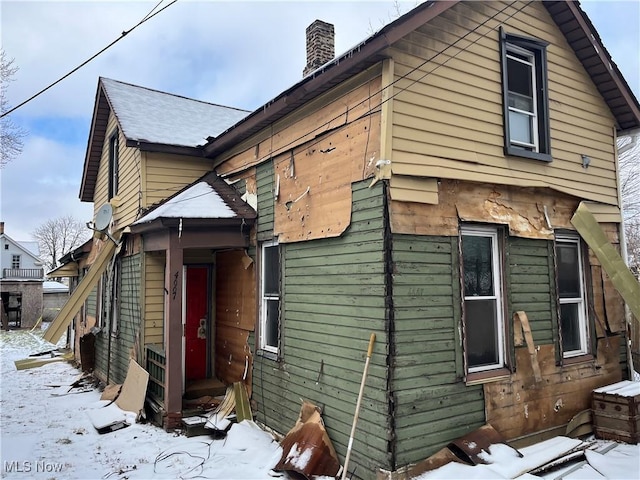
(271, 333)
(477, 264)
(519, 77)
(570, 325)
(271, 261)
(568, 270)
(520, 127)
(482, 332)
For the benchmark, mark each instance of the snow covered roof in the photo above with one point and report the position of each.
(152, 116)
(33, 247)
(54, 287)
(207, 198)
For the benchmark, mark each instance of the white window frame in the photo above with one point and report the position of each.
(496, 268)
(580, 301)
(533, 115)
(265, 298)
(15, 261)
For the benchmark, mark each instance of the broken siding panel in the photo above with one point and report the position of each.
(454, 114)
(265, 187)
(427, 316)
(530, 285)
(327, 319)
(113, 351)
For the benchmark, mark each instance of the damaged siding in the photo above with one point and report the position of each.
(448, 118)
(334, 297)
(265, 188)
(432, 405)
(123, 344)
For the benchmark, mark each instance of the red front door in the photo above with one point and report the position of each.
(196, 323)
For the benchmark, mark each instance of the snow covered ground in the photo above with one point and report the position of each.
(45, 433)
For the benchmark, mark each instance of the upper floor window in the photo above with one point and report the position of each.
(270, 297)
(525, 97)
(483, 303)
(15, 261)
(113, 165)
(574, 330)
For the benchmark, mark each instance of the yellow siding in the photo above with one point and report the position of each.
(154, 298)
(165, 174)
(447, 118)
(127, 202)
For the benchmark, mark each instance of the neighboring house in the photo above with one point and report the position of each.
(431, 186)
(21, 276)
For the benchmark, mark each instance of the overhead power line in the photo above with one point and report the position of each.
(146, 18)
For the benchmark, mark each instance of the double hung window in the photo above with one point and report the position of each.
(483, 302)
(571, 293)
(525, 97)
(270, 296)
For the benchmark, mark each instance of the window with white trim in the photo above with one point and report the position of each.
(270, 296)
(483, 315)
(525, 97)
(15, 262)
(574, 330)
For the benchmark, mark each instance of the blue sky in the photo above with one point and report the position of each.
(235, 53)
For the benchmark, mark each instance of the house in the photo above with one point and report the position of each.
(54, 296)
(449, 184)
(21, 276)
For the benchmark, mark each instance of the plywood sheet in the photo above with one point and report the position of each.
(313, 183)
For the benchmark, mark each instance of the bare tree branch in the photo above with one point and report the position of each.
(10, 134)
(57, 237)
(629, 170)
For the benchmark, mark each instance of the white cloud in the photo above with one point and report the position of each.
(42, 184)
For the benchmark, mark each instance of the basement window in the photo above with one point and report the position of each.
(483, 313)
(270, 297)
(574, 332)
(525, 97)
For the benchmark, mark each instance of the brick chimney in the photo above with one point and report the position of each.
(320, 45)
(1, 228)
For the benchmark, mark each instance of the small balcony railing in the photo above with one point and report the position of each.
(23, 273)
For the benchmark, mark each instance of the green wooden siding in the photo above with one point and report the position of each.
(334, 298)
(265, 185)
(117, 347)
(531, 286)
(432, 404)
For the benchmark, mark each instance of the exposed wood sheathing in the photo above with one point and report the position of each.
(235, 305)
(520, 405)
(315, 155)
(447, 119)
(522, 209)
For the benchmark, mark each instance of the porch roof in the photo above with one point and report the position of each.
(209, 200)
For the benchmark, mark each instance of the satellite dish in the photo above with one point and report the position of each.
(103, 217)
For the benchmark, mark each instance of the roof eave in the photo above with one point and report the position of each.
(321, 80)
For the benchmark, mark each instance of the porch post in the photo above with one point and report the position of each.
(173, 331)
